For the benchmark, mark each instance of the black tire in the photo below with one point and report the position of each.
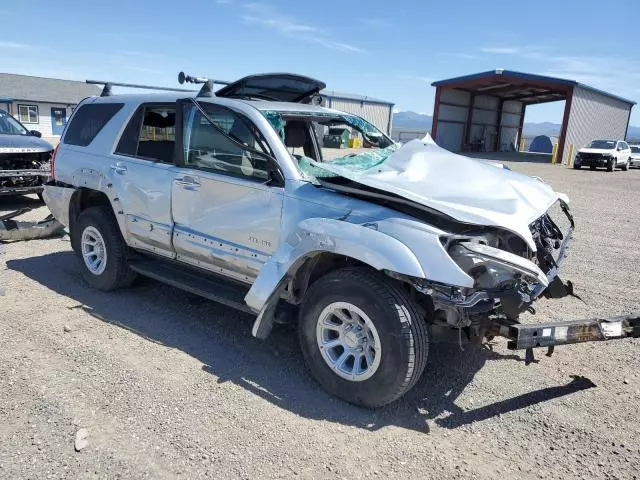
(400, 325)
(592, 167)
(117, 273)
(577, 166)
(625, 167)
(611, 166)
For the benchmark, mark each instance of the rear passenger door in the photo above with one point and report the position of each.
(227, 194)
(141, 171)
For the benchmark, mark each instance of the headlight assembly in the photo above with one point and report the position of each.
(491, 267)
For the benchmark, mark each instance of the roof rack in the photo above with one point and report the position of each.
(207, 84)
(106, 90)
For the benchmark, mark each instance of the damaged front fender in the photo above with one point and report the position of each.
(320, 235)
(314, 236)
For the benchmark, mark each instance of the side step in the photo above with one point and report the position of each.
(198, 283)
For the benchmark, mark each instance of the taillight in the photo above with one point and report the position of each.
(52, 163)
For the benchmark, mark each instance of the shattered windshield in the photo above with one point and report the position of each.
(341, 139)
(10, 126)
(606, 144)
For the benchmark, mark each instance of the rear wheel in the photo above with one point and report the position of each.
(625, 167)
(101, 250)
(362, 337)
(577, 166)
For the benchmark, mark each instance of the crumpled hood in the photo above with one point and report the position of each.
(597, 150)
(22, 144)
(469, 190)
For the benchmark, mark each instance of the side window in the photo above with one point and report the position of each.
(225, 143)
(88, 121)
(150, 134)
(624, 145)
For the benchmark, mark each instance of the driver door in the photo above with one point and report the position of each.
(225, 204)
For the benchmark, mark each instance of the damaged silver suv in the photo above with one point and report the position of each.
(232, 196)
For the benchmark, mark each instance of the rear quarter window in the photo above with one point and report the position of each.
(88, 121)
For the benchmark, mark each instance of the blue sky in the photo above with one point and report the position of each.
(387, 49)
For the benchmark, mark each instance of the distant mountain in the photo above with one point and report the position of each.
(412, 120)
(544, 128)
(423, 122)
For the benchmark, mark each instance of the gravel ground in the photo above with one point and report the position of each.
(168, 385)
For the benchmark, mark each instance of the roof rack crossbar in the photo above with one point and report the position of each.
(106, 90)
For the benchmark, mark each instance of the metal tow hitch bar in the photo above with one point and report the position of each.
(528, 337)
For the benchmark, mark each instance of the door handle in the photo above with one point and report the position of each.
(119, 168)
(188, 182)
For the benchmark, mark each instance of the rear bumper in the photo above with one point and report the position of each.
(58, 200)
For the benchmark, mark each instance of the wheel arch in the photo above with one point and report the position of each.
(318, 246)
(84, 198)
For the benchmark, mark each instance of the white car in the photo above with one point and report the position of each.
(611, 154)
(635, 156)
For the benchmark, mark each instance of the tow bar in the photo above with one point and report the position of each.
(530, 336)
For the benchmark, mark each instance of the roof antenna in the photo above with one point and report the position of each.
(207, 85)
(106, 90)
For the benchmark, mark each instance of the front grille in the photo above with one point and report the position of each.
(590, 156)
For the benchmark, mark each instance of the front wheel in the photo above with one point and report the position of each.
(101, 250)
(362, 337)
(577, 166)
(611, 165)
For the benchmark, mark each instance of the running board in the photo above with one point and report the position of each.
(198, 283)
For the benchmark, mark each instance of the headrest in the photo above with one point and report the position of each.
(295, 134)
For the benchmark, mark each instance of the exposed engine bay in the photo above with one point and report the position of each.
(506, 282)
(23, 172)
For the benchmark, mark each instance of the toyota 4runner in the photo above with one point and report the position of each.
(231, 195)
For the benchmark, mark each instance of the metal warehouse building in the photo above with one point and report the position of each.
(486, 110)
(378, 112)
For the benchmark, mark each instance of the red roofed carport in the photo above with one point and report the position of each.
(485, 111)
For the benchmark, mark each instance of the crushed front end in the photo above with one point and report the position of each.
(22, 171)
(509, 277)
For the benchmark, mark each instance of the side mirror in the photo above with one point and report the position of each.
(36, 133)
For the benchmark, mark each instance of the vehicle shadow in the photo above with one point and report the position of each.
(220, 338)
(9, 203)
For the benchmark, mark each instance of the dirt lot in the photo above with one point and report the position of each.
(172, 386)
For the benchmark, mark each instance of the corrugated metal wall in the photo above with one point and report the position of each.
(452, 117)
(594, 116)
(510, 124)
(376, 113)
(485, 124)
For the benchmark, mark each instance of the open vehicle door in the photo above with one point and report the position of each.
(282, 87)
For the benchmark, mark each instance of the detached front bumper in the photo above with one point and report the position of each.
(524, 336)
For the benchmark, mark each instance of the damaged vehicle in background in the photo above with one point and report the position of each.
(230, 195)
(24, 158)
